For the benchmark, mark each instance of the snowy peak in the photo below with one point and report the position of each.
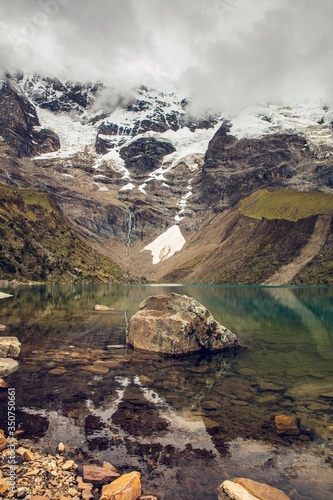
(313, 121)
(52, 94)
(148, 111)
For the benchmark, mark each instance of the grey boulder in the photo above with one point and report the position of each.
(176, 325)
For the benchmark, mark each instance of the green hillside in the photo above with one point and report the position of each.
(36, 243)
(286, 204)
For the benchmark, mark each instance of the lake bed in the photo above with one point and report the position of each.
(186, 423)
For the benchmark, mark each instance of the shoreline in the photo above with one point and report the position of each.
(32, 474)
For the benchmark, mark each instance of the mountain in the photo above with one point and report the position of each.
(37, 243)
(172, 197)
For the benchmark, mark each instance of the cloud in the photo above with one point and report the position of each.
(225, 53)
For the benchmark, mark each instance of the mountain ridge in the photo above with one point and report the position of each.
(143, 174)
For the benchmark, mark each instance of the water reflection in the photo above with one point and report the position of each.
(187, 423)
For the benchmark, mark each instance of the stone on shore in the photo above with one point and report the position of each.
(247, 489)
(126, 487)
(99, 475)
(9, 347)
(25, 454)
(7, 366)
(176, 325)
(5, 295)
(3, 442)
(4, 485)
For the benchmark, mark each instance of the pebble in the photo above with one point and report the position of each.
(61, 447)
(3, 384)
(22, 492)
(69, 464)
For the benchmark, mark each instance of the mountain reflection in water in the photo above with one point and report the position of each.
(186, 423)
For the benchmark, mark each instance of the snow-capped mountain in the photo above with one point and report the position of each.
(140, 177)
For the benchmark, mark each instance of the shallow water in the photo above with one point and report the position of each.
(186, 423)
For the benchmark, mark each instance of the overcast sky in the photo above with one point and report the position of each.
(225, 53)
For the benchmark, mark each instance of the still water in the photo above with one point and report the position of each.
(186, 423)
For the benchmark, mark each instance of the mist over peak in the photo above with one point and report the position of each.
(224, 54)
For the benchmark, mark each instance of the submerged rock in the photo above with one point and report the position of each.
(247, 489)
(9, 347)
(177, 324)
(7, 366)
(286, 425)
(101, 307)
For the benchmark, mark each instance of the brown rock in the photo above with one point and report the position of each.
(3, 442)
(87, 495)
(4, 485)
(2, 327)
(287, 425)
(261, 490)
(39, 497)
(28, 456)
(81, 485)
(99, 475)
(126, 487)
(69, 464)
(57, 371)
(102, 370)
(3, 384)
(247, 489)
(176, 324)
(61, 447)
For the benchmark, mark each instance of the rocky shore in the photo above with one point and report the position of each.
(31, 475)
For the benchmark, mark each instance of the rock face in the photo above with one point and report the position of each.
(9, 347)
(19, 123)
(234, 168)
(145, 154)
(177, 325)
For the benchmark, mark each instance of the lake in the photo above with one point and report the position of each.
(185, 423)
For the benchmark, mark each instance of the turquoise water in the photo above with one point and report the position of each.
(186, 423)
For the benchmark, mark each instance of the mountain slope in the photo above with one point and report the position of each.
(37, 243)
(245, 250)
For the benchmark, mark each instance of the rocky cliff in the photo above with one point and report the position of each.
(168, 196)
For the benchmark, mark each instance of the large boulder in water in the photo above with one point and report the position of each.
(177, 324)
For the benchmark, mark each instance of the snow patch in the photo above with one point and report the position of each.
(188, 143)
(113, 159)
(183, 202)
(167, 244)
(142, 188)
(74, 136)
(127, 187)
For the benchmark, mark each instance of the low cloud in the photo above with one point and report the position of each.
(224, 53)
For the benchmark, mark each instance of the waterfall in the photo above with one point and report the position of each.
(131, 224)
